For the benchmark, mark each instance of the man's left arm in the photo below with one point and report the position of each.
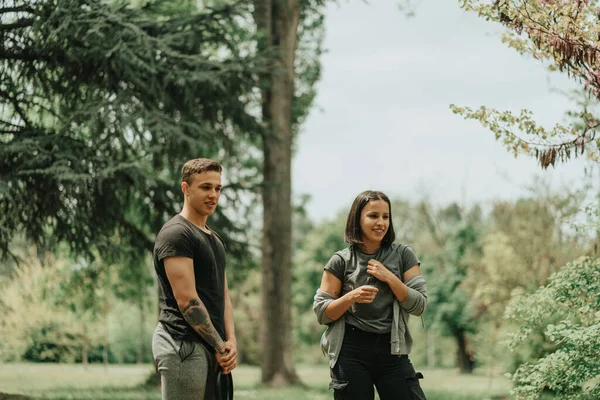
(229, 360)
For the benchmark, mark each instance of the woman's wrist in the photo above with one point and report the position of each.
(391, 279)
(349, 298)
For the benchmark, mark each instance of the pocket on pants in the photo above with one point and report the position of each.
(415, 387)
(162, 344)
(337, 385)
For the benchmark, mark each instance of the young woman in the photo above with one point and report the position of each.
(367, 294)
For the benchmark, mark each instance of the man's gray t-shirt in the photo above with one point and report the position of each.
(350, 267)
(180, 238)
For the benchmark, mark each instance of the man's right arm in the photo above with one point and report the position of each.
(180, 272)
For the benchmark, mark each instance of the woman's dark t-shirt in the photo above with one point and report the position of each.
(350, 267)
(180, 238)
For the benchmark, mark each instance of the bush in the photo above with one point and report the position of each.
(51, 344)
(571, 370)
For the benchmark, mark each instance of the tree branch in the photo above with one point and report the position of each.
(579, 139)
(22, 56)
(17, 9)
(21, 23)
(16, 106)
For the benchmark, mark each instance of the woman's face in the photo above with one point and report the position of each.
(374, 221)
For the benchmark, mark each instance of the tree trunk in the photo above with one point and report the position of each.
(464, 356)
(84, 354)
(105, 354)
(157, 378)
(493, 341)
(106, 338)
(431, 350)
(141, 338)
(278, 21)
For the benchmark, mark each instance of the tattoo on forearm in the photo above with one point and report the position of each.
(196, 314)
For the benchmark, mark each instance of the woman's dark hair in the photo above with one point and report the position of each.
(352, 234)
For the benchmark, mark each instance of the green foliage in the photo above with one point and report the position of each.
(564, 35)
(572, 370)
(500, 271)
(506, 125)
(51, 312)
(314, 247)
(246, 298)
(313, 251)
(525, 242)
(449, 307)
(50, 343)
(36, 324)
(130, 332)
(456, 236)
(307, 62)
(101, 104)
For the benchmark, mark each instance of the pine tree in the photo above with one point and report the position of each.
(101, 105)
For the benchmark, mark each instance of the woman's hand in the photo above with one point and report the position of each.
(379, 271)
(364, 294)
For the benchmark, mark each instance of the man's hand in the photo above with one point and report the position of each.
(228, 359)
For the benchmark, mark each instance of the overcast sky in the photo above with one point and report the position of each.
(382, 119)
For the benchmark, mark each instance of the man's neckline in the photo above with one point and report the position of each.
(208, 231)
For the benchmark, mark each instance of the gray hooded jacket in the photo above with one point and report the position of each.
(401, 340)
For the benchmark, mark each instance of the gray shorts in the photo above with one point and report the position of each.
(187, 369)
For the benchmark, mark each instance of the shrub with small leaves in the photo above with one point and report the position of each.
(572, 371)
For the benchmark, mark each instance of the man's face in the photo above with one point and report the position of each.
(203, 192)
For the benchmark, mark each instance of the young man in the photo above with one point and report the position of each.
(195, 330)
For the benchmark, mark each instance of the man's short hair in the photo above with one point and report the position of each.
(197, 166)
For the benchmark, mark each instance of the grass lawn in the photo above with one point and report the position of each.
(123, 382)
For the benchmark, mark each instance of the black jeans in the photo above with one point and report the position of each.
(365, 361)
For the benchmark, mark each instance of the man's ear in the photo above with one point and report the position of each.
(185, 188)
